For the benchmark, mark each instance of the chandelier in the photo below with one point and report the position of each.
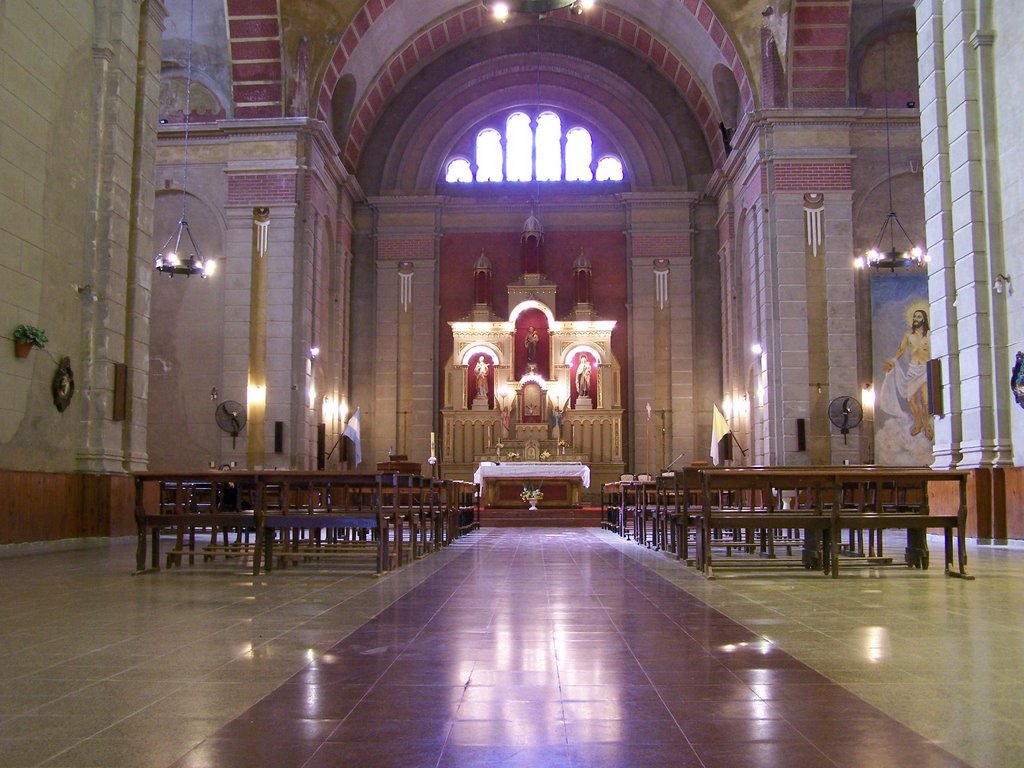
(169, 259)
(503, 8)
(891, 257)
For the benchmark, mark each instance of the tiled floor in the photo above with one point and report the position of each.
(520, 647)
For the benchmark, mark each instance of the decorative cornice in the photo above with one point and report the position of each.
(982, 37)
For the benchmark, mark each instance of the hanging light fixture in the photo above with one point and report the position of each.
(502, 9)
(170, 260)
(892, 258)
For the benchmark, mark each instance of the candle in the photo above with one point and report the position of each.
(432, 444)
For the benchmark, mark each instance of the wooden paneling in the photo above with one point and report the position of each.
(39, 506)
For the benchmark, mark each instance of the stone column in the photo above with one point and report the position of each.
(404, 333)
(662, 329)
(964, 233)
(127, 57)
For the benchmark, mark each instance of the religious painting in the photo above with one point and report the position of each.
(901, 349)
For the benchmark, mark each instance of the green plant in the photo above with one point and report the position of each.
(31, 335)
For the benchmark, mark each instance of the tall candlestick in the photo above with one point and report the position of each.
(432, 453)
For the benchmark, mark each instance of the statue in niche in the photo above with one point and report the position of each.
(583, 371)
(532, 339)
(481, 370)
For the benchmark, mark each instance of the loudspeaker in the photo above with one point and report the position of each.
(321, 446)
(120, 392)
(934, 370)
(801, 434)
(278, 436)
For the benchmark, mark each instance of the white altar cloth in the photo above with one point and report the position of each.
(532, 469)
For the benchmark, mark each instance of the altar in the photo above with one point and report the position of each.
(561, 482)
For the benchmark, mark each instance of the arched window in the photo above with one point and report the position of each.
(519, 141)
(578, 155)
(549, 147)
(488, 155)
(609, 169)
(534, 151)
(459, 171)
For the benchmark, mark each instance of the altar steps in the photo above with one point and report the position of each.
(586, 517)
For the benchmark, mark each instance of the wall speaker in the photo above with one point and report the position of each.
(278, 436)
(120, 392)
(801, 434)
(934, 370)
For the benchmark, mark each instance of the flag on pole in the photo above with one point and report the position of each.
(351, 431)
(719, 429)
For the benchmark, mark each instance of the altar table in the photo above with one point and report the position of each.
(561, 482)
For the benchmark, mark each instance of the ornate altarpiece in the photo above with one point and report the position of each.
(532, 387)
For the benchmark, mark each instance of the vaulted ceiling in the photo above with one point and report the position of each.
(371, 68)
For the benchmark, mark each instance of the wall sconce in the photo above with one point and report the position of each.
(314, 353)
(756, 348)
(867, 398)
(1002, 282)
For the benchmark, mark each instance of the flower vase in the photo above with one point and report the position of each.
(22, 348)
(533, 504)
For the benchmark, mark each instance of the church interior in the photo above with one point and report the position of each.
(632, 235)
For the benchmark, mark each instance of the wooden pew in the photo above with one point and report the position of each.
(897, 497)
(679, 499)
(325, 515)
(887, 497)
(308, 514)
(188, 502)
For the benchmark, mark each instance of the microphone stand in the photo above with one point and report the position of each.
(671, 463)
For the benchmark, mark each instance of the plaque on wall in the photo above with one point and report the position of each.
(63, 384)
(1017, 380)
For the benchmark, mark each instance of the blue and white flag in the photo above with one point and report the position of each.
(352, 433)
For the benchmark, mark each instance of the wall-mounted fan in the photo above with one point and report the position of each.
(845, 412)
(231, 418)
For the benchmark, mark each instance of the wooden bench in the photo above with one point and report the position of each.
(822, 502)
(896, 497)
(316, 515)
(220, 502)
(679, 499)
(292, 516)
(742, 509)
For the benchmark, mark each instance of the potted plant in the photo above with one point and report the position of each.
(26, 337)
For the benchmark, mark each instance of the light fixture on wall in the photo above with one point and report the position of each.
(170, 260)
(1002, 283)
(892, 257)
(502, 9)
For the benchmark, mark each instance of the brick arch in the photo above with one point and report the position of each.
(460, 23)
(254, 40)
(819, 54)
